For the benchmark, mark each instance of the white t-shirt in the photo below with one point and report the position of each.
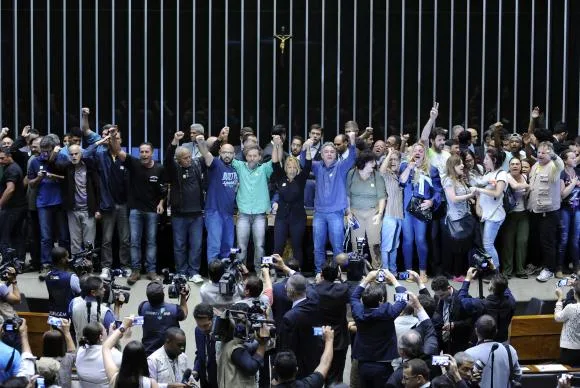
(90, 366)
(492, 207)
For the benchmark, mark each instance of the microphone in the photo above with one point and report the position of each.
(186, 376)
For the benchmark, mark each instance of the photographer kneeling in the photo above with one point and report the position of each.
(8, 299)
(62, 284)
(210, 292)
(240, 360)
(159, 316)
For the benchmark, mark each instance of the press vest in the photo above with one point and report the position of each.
(156, 321)
(59, 292)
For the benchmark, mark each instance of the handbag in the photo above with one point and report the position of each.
(462, 228)
(414, 208)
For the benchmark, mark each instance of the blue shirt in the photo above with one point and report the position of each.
(5, 355)
(49, 189)
(222, 187)
(330, 195)
(430, 189)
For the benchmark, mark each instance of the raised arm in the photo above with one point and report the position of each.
(533, 117)
(110, 366)
(430, 124)
(116, 145)
(203, 149)
(385, 165)
(326, 358)
(277, 152)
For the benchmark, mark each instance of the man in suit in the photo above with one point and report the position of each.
(296, 330)
(279, 130)
(452, 322)
(333, 297)
(205, 365)
(282, 304)
(315, 135)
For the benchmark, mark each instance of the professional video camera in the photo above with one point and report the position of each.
(12, 324)
(177, 283)
(9, 260)
(232, 274)
(82, 262)
(482, 261)
(358, 261)
(243, 324)
(115, 292)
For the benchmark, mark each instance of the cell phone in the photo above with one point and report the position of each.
(8, 327)
(138, 321)
(440, 360)
(381, 276)
(564, 283)
(118, 324)
(267, 260)
(401, 297)
(40, 382)
(54, 321)
(317, 331)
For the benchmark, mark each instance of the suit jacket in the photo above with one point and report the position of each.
(462, 332)
(333, 298)
(239, 153)
(205, 366)
(282, 304)
(296, 334)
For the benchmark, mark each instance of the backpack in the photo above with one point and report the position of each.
(509, 197)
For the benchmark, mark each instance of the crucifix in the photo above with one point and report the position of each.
(283, 37)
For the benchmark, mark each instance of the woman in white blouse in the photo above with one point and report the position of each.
(570, 336)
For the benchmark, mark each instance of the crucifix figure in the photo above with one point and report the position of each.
(282, 37)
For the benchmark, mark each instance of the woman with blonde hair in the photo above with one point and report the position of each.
(421, 195)
(288, 202)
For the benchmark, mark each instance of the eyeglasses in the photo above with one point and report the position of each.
(405, 378)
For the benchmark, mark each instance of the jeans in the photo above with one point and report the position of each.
(220, 234)
(390, 237)
(82, 229)
(119, 217)
(256, 224)
(415, 231)
(187, 229)
(51, 218)
(490, 230)
(570, 236)
(514, 238)
(323, 224)
(138, 220)
(11, 221)
(33, 237)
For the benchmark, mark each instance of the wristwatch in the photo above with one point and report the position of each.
(122, 329)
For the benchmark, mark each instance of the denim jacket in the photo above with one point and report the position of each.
(431, 187)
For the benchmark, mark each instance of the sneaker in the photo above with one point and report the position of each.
(545, 275)
(559, 275)
(531, 269)
(127, 271)
(153, 276)
(105, 273)
(134, 277)
(44, 272)
(197, 279)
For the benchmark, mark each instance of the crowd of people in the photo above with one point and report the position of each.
(444, 206)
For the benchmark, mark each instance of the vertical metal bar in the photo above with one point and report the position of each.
(226, 67)
(64, 60)
(435, 20)
(307, 17)
(113, 81)
(498, 97)
(420, 35)
(274, 53)
(338, 44)
(209, 71)
(80, 80)
(1, 122)
(466, 114)
(532, 54)
(565, 61)
(193, 29)
(177, 78)
(15, 71)
(291, 66)
(242, 40)
(548, 62)
(354, 58)
(482, 111)
(97, 110)
(322, 69)
(130, 66)
(48, 58)
(371, 66)
(146, 70)
(161, 75)
(386, 105)
(402, 85)
(258, 49)
(451, 47)
(516, 44)
(31, 66)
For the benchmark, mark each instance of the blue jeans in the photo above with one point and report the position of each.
(415, 232)
(137, 221)
(52, 218)
(187, 229)
(220, 234)
(390, 236)
(255, 224)
(570, 236)
(490, 230)
(323, 224)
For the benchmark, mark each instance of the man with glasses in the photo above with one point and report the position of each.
(221, 195)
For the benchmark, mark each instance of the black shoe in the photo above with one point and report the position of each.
(44, 272)
(522, 275)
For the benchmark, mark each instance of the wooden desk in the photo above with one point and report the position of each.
(37, 325)
(536, 337)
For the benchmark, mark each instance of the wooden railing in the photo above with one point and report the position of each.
(37, 325)
(536, 337)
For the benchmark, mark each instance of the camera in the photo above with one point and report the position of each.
(227, 283)
(268, 260)
(82, 262)
(381, 276)
(482, 262)
(177, 283)
(401, 297)
(243, 324)
(54, 321)
(12, 324)
(9, 260)
(114, 292)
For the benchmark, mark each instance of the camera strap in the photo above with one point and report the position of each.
(10, 362)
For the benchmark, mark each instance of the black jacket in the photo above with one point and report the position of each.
(67, 169)
(177, 176)
(462, 332)
(333, 298)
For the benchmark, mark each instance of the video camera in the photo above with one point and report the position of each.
(9, 260)
(358, 261)
(177, 283)
(243, 324)
(482, 261)
(115, 292)
(227, 283)
(82, 262)
(12, 324)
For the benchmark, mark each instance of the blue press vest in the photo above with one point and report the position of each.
(59, 292)
(156, 321)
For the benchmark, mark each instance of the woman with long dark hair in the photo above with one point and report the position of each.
(89, 360)
(134, 371)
